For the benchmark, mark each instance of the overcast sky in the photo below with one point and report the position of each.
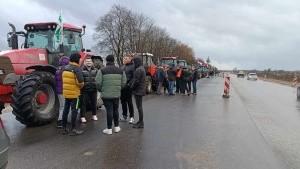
(247, 34)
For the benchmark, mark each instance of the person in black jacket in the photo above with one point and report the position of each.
(138, 86)
(171, 79)
(89, 91)
(126, 92)
(195, 76)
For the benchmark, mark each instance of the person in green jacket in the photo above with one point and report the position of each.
(109, 81)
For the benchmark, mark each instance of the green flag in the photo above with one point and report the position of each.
(58, 34)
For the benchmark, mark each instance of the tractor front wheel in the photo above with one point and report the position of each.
(35, 102)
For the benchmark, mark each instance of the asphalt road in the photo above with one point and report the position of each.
(258, 127)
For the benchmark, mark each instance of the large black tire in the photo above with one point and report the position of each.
(26, 107)
(148, 84)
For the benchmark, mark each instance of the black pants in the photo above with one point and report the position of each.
(178, 85)
(189, 86)
(86, 98)
(112, 111)
(126, 100)
(73, 103)
(139, 106)
(184, 87)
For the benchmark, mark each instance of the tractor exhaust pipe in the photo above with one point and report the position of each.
(12, 37)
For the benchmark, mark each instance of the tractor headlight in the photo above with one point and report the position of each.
(2, 72)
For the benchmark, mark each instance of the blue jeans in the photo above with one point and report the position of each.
(171, 86)
(194, 86)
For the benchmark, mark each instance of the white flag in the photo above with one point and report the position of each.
(58, 34)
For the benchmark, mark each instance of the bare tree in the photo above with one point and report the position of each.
(122, 31)
(110, 31)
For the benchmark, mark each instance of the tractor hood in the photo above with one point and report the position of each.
(16, 61)
(28, 56)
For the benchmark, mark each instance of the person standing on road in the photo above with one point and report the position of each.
(160, 75)
(171, 79)
(126, 92)
(109, 81)
(72, 83)
(89, 91)
(63, 61)
(195, 76)
(138, 86)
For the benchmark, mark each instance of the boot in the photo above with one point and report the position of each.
(75, 132)
(138, 125)
(64, 130)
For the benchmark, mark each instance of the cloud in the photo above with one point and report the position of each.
(245, 34)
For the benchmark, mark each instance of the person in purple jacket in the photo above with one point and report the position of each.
(63, 61)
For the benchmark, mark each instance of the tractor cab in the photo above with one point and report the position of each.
(147, 60)
(168, 61)
(42, 36)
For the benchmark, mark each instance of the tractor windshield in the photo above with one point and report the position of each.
(167, 62)
(181, 63)
(72, 41)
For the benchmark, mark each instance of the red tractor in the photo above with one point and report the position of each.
(169, 60)
(27, 74)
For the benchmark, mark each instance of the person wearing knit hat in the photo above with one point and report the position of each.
(72, 83)
(109, 81)
(63, 61)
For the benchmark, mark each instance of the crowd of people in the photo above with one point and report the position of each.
(183, 78)
(77, 89)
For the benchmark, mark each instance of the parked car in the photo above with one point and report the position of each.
(4, 146)
(252, 76)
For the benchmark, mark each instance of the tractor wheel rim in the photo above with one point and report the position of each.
(44, 106)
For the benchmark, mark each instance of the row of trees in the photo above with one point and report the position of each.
(122, 31)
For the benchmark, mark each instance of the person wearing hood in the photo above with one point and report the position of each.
(63, 61)
(89, 91)
(138, 87)
(109, 81)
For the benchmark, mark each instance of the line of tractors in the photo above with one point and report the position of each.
(27, 73)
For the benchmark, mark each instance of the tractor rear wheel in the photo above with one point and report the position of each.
(35, 102)
(148, 84)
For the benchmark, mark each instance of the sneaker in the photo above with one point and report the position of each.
(122, 119)
(138, 125)
(83, 120)
(59, 124)
(107, 131)
(75, 132)
(131, 121)
(117, 129)
(95, 117)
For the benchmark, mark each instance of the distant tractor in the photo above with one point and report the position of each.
(172, 60)
(27, 74)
